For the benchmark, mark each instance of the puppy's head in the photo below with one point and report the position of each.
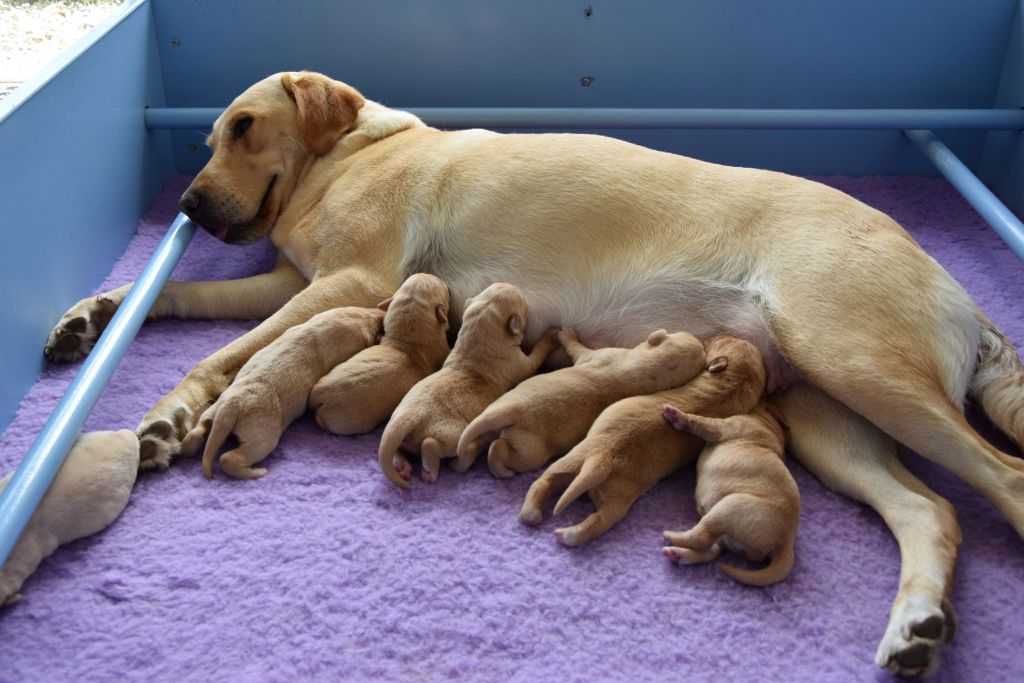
(680, 354)
(421, 301)
(260, 143)
(736, 361)
(495, 315)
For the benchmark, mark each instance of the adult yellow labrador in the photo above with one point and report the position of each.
(867, 338)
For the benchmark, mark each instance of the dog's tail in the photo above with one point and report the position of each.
(224, 420)
(998, 382)
(593, 472)
(492, 420)
(778, 569)
(394, 434)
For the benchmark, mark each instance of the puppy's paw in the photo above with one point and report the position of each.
(915, 636)
(402, 467)
(570, 536)
(76, 333)
(531, 514)
(677, 418)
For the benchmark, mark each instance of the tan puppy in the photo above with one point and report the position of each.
(89, 492)
(362, 392)
(272, 389)
(548, 414)
(485, 362)
(746, 497)
(631, 447)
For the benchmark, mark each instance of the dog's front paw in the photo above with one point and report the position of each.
(77, 332)
(160, 438)
(914, 639)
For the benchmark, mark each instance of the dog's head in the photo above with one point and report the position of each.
(737, 362)
(260, 144)
(679, 355)
(495, 316)
(421, 300)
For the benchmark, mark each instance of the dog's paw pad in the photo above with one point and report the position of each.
(74, 336)
(914, 638)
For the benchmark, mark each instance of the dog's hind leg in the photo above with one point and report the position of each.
(519, 451)
(852, 456)
(555, 478)
(610, 511)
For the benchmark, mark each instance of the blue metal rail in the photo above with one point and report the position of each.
(43, 460)
(995, 213)
(836, 119)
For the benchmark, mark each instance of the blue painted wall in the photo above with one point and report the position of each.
(641, 53)
(78, 170)
(1003, 162)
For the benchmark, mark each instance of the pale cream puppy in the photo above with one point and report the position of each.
(631, 447)
(548, 414)
(485, 362)
(746, 497)
(272, 389)
(362, 392)
(90, 491)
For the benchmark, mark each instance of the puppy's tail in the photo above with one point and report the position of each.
(224, 420)
(778, 569)
(593, 472)
(492, 420)
(394, 435)
(998, 382)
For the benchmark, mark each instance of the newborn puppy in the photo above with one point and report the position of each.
(746, 497)
(360, 393)
(485, 362)
(89, 492)
(271, 390)
(548, 414)
(631, 447)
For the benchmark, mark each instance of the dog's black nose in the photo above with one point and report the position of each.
(190, 202)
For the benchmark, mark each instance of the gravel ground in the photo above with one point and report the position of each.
(33, 33)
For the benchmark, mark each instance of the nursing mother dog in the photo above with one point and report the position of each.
(868, 340)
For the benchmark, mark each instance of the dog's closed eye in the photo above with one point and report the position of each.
(240, 126)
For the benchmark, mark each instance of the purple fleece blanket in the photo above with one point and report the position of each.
(325, 570)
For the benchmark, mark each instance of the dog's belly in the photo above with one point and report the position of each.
(618, 313)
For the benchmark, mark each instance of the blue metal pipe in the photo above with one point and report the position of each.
(840, 119)
(35, 473)
(995, 213)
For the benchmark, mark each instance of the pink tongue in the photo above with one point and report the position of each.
(222, 233)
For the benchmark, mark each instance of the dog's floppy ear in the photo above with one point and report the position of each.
(515, 324)
(657, 337)
(327, 108)
(386, 304)
(442, 314)
(718, 364)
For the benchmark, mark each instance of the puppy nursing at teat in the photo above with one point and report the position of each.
(630, 447)
(362, 392)
(547, 415)
(485, 362)
(746, 497)
(272, 389)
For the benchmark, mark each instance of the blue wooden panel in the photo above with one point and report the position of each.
(1003, 164)
(79, 169)
(647, 53)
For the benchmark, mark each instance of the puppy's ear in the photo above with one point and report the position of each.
(657, 337)
(442, 314)
(718, 364)
(386, 304)
(515, 325)
(327, 108)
